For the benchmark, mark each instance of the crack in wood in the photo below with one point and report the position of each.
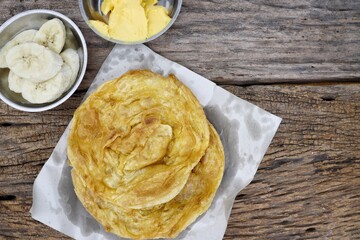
(6, 124)
(328, 98)
(7, 197)
(310, 229)
(9, 124)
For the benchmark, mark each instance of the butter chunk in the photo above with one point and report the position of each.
(158, 19)
(102, 27)
(128, 23)
(132, 20)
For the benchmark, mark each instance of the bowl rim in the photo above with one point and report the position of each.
(173, 19)
(78, 80)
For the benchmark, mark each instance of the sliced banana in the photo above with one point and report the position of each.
(52, 34)
(16, 83)
(49, 90)
(71, 57)
(34, 62)
(25, 36)
(67, 72)
(70, 41)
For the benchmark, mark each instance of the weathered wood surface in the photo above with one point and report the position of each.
(245, 42)
(308, 185)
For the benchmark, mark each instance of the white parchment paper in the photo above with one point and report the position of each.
(245, 130)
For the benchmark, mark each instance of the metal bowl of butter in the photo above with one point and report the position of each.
(130, 22)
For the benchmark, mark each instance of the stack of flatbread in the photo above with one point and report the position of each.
(145, 160)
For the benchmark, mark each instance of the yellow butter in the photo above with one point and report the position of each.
(128, 22)
(146, 3)
(158, 19)
(100, 26)
(108, 5)
(132, 20)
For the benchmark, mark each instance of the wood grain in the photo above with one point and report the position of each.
(246, 42)
(269, 41)
(308, 185)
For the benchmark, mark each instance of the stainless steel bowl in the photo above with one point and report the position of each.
(33, 19)
(91, 10)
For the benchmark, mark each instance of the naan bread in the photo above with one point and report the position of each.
(136, 139)
(166, 220)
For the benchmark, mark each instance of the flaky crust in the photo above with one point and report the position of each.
(135, 140)
(146, 162)
(165, 220)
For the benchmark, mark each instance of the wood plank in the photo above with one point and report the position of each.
(308, 185)
(268, 40)
(245, 42)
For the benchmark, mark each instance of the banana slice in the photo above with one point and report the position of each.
(70, 41)
(33, 61)
(71, 57)
(52, 34)
(16, 83)
(49, 90)
(25, 36)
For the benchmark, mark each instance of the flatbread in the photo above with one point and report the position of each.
(135, 140)
(165, 220)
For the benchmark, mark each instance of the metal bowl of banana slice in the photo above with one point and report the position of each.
(43, 59)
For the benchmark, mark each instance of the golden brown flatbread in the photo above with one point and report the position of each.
(135, 140)
(166, 220)
(146, 162)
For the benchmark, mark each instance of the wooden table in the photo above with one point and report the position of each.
(297, 59)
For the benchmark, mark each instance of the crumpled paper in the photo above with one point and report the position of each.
(245, 130)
